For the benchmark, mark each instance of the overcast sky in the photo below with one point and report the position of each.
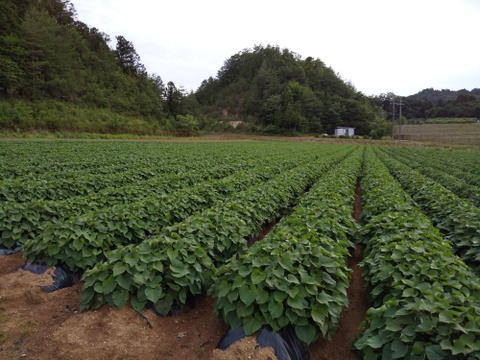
(379, 45)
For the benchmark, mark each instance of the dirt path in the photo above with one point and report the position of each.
(340, 347)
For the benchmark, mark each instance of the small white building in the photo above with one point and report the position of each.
(344, 131)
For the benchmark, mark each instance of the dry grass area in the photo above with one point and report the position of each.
(456, 134)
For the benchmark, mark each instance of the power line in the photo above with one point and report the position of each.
(400, 104)
(393, 117)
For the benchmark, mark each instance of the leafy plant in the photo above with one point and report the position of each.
(425, 299)
(204, 242)
(298, 273)
(458, 219)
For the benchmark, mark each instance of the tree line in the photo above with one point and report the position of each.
(51, 62)
(431, 104)
(277, 91)
(48, 56)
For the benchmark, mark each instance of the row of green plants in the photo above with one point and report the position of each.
(170, 167)
(425, 300)
(47, 160)
(26, 159)
(298, 274)
(93, 233)
(23, 220)
(180, 261)
(464, 165)
(452, 178)
(68, 188)
(457, 219)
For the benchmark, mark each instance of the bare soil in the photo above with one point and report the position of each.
(39, 325)
(341, 345)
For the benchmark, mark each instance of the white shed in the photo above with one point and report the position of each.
(344, 131)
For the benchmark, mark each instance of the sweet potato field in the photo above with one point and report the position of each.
(264, 231)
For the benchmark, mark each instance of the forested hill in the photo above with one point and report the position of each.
(47, 54)
(431, 104)
(56, 70)
(444, 95)
(280, 91)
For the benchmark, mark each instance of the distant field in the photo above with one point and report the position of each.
(464, 134)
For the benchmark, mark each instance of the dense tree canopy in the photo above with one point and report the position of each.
(46, 53)
(282, 92)
(430, 104)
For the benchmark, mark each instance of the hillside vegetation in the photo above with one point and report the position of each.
(435, 105)
(51, 63)
(279, 91)
(58, 74)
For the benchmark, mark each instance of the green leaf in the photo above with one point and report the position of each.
(232, 296)
(77, 244)
(224, 289)
(435, 352)
(292, 279)
(120, 297)
(393, 324)
(279, 296)
(376, 341)
(262, 296)
(124, 281)
(327, 261)
(409, 292)
(458, 347)
(470, 342)
(109, 285)
(153, 294)
(446, 317)
(275, 309)
(53, 249)
(285, 262)
(179, 270)
(164, 305)
(98, 287)
(257, 276)
(246, 295)
(244, 271)
(425, 326)
(318, 317)
(399, 349)
(328, 279)
(296, 303)
(251, 324)
(130, 259)
(87, 296)
(307, 333)
(244, 311)
(137, 304)
(119, 268)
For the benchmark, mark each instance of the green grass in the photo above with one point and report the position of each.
(27, 326)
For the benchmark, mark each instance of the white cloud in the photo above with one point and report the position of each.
(380, 45)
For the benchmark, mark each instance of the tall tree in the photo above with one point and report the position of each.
(128, 58)
(174, 99)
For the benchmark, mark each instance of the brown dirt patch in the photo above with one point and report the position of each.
(245, 349)
(38, 325)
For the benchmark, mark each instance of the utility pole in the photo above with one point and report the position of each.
(393, 118)
(400, 104)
